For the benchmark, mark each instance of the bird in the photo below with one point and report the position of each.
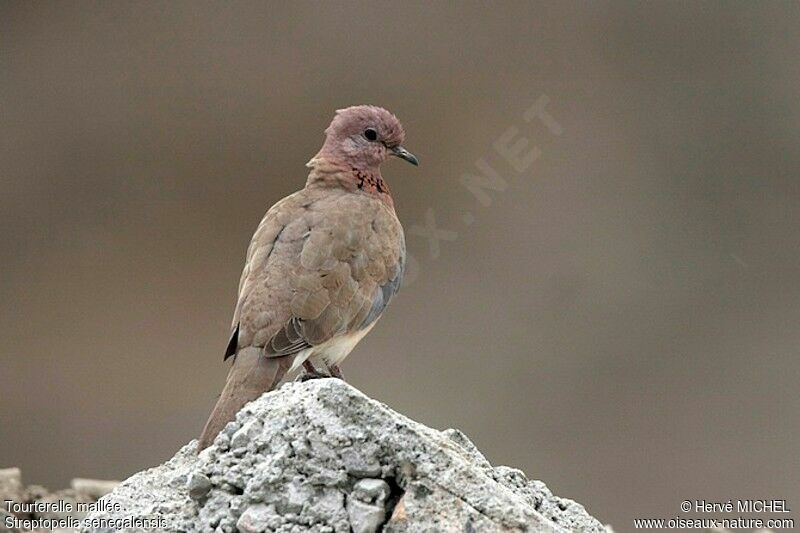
(322, 266)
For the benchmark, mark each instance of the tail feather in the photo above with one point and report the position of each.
(251, 375)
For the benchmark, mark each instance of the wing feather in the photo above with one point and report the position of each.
(330, 269)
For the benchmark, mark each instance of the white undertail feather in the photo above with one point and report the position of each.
(331, 352)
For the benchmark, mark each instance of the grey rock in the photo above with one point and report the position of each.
(361, 461)
(199, 485)
(10, 481)
(366, 505)
(249, 430)
(365, 518)
(7, 518)
(320, 456)
(467, 446)
(371, 491)
(35, 492)
(10, 489)
(255, 519)
(68, 496)
(93, 488)
(36, 503)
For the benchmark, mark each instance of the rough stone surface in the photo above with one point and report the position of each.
(321, 456)
(366, 505)
(92, 488)
(37, 509)
(11, 490)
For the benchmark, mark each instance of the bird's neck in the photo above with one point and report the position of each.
(325, 173)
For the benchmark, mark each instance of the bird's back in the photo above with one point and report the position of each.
(320, 262)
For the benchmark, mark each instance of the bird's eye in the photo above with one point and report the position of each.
(371, 134)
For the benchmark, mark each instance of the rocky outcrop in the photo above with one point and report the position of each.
(322, 456)
(34, 508)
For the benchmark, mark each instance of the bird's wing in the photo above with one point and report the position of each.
(351, 265)
(262, 297)
(332, 269)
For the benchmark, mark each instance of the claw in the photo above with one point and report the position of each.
(336, 372)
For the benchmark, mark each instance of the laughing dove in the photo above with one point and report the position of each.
(321, 267)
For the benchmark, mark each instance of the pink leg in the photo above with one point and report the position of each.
(336, 372)
(311, 372)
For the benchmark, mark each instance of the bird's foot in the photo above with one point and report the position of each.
(308, 376)
(336, 372)
(311, 373)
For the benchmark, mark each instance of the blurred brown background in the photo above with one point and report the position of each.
(621, 322)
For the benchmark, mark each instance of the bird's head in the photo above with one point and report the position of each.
(363, 137)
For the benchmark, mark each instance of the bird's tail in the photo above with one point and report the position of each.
(251, 375)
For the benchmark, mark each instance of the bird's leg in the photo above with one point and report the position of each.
(336, 372)
(311, 372)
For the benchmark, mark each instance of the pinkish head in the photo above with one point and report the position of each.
(363, 137)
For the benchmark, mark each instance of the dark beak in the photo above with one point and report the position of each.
(402, 153)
